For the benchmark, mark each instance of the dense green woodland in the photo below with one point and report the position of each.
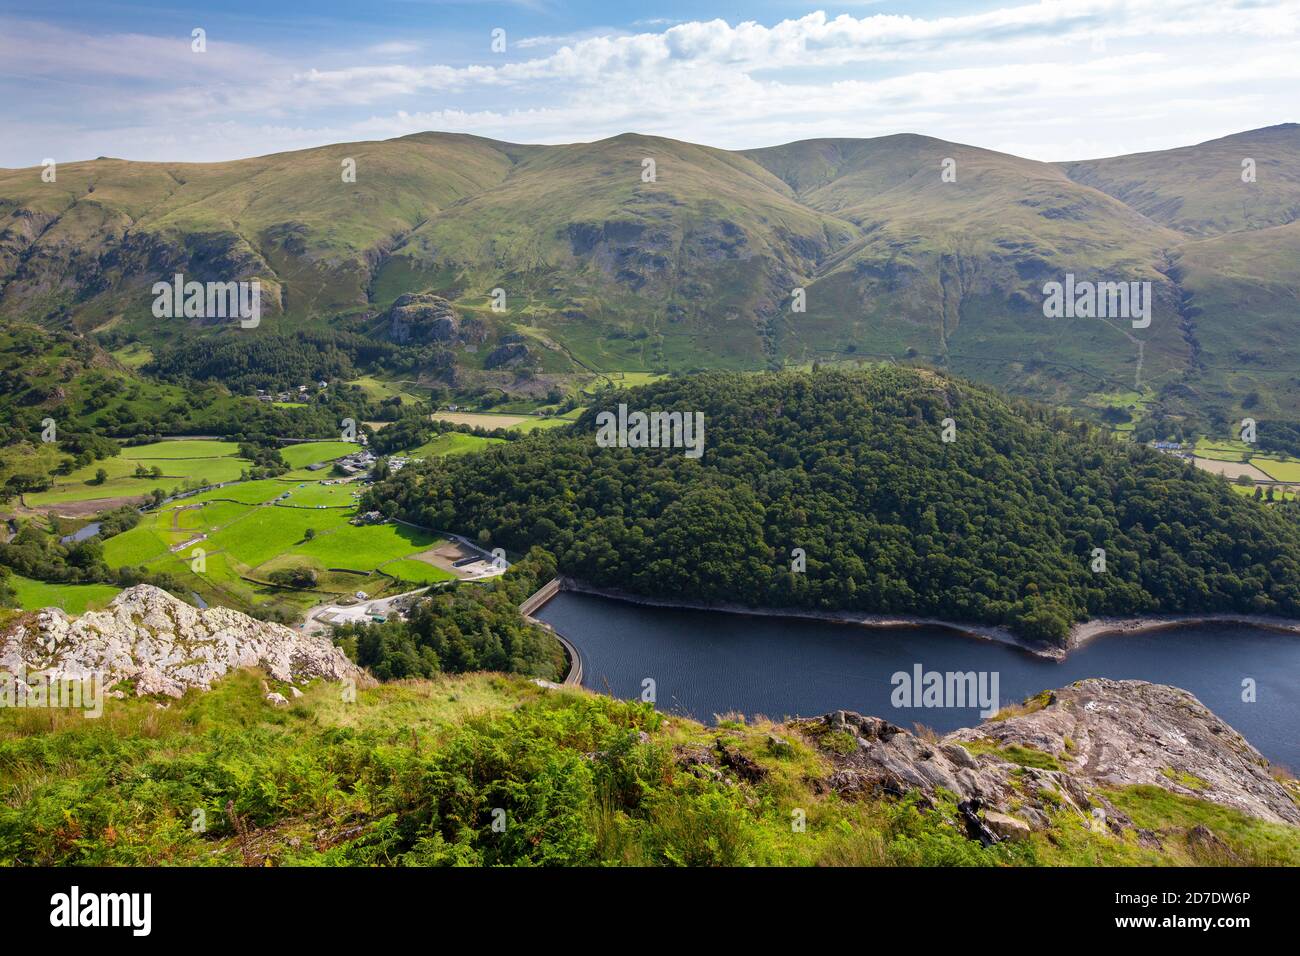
(272, 360)
(997, 527)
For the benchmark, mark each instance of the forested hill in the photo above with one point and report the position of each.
(999, 526)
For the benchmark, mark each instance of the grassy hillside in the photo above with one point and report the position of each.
(951, 271)
(998, 526)
(584, 246)
(72, 598)
(416, 773)
(1241, 291)
(1199, 189)
(287, 219)
(606, 272)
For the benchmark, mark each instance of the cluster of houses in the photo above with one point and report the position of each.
(1177, 449)
(357, 463)
(264, 396)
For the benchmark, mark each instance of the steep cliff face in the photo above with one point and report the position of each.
(1065, 749)
(163, 646)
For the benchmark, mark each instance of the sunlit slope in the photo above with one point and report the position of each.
(93, 242)
(1239, 268)
(1199, 189)
(951, 268)
(695, 262)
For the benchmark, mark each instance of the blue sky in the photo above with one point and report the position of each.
(1061, 79)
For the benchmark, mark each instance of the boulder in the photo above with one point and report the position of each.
(161, 645)
(1006, 826)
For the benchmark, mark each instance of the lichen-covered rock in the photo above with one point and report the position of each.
(1118, 733)
(1065, 750)
(165, 646)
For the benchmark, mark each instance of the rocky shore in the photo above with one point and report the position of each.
(1079, 634)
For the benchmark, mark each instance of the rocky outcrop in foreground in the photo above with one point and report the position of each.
(1061, 750)
(165, 646)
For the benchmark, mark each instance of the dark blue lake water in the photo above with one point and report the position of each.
(706, 663)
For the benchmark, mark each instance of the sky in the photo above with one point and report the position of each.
(1054, 80)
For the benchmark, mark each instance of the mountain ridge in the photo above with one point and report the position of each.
(698, 264)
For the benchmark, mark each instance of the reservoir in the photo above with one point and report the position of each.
(81, 534)
(705, 663)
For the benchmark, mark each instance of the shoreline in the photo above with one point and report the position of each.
(1080, 634)
(982, 632)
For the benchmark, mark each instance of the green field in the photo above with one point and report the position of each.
(245, 492)
(1248, 491)
(185, 460)
(68, 493)
(310, 453)
(365, 548)
(533, 424)
(72, 598)
(1134, 403)
(183, 448)
(1284, 470)
(266, 531)
(1222, 449)
(379, 389)
(633, 379)
(304, 494)
(251, 531)
(416, 572)
(1279, 468)
(451, 443)
(138, 546)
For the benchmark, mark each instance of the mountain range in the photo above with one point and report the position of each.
(645, 253)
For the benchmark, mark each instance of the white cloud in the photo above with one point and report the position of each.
(1028, 76)
(394, 48)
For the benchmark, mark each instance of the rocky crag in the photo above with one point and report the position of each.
(161, 645)
(1062, 750)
